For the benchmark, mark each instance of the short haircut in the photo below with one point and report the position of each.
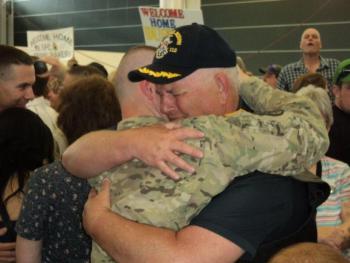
(315, 79)
(241, 64)
(130, 61)
(84, 71)
(308, 253)
(87, 105)
(100, 67)
(12, 56)
(312, 28)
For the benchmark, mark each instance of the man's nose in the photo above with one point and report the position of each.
(167, 103)
(29, 94)
(165, 107)
(50, 94)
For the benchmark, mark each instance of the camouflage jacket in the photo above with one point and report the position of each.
(288, 137)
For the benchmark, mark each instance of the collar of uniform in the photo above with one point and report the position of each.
(134, 122)
(233, 113)
(307, 176)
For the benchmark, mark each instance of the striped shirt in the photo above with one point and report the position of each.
(291, 72)
(337, 175)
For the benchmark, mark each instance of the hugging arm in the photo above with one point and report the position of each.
(117, 236)
(155, 145)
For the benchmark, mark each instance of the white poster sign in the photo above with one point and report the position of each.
(158, 22)
(58, 43)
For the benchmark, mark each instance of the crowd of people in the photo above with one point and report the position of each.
(183, 155)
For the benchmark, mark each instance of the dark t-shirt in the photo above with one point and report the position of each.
(259, 209)
(52, 211)
(339, 136)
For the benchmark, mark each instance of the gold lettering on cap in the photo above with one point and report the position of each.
(178, 38)
(159, 74)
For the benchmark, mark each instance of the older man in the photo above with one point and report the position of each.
(311, 62)
(212, 76)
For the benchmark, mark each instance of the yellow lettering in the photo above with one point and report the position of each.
(159, 74)
(178, 38)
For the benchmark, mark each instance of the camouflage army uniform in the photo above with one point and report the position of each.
(290, 138)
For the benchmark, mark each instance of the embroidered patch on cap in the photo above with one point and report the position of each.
(183, 51)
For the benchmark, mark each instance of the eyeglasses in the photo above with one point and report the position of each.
(344, 73)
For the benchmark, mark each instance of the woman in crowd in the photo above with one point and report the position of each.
(49, 227)
(315, 79)
(26, 143)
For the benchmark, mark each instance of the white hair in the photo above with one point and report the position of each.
(205, 75)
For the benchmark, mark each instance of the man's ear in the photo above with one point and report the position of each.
(148, 89)
(336, 90)
(223, 85)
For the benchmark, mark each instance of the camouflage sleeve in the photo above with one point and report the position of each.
(263, 99)
(290, 138)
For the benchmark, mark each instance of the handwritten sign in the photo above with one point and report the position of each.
(58, 43)
(158, 22)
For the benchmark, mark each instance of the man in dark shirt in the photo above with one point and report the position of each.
(339, 134)
(257, 214)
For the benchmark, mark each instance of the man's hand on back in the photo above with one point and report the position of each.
(159, 145)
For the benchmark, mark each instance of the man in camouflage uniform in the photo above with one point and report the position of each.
(234, 145)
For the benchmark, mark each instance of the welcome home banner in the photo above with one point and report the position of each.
(158, 22)
(58, 43)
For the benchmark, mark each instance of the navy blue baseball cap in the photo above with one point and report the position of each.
(183, 51)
